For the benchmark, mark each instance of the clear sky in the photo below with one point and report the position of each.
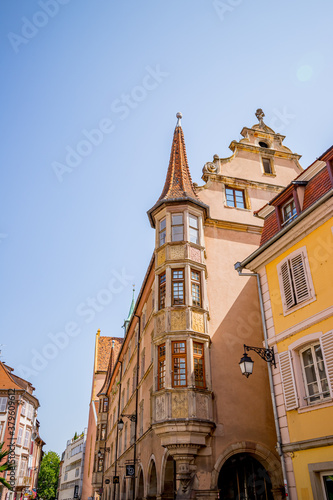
(89, 92)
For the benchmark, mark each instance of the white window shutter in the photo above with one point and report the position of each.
(288, 381)
(298, 272)
(326, 342)
(288, 297)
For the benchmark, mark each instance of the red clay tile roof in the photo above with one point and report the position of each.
(104, 350)
(270, 228)
(6, 379)
(316, 187)
(178, 183)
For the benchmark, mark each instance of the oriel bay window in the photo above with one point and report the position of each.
(195, 288)
(177, 227)
(199, 365)
(179, 364)
(178, 286)
(161, 366)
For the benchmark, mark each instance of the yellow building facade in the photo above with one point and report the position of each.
(295, 264)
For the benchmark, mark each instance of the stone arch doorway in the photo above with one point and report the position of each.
(141, 486)
(169, 486)
(152, 483)
(243, 477)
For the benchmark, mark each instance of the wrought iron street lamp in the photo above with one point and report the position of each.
(120, 424)
(246, 363)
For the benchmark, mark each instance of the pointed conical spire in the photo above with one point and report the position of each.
(178, 183)
(130, 312)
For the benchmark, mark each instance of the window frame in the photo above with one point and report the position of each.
(3, 404)
(161, 369)
(292, 281)
(162, 231)
(177, 214)
(161, 290)
(199, 357)
(270, 162)
(284, 221)
(234, 190)
(196, 283)
(320, 394)
(174, 357)
(193, 228)
(177, 280)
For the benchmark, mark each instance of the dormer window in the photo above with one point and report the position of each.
(177, 227)
(289, 212)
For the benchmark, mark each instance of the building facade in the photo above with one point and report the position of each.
(19, 430)
(71, 470)
(180, 421)
(102, 361)
(296, 268)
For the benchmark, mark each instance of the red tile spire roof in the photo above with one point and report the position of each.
(178, 183)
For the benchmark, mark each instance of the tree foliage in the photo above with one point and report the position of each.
(4, 466)
(48, 476)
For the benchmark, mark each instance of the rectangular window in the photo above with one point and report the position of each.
(177, 227)
(143, 359)
(194, 229)
(294, 280)
(26, 439)
(162, 232)
(177, 286)
(105, 405)
(23, 409)
(162, 285)
(141, 419)
(19, 436)
(161, 366)
(30, 411)
(97, 432)
(316, 383)
(125, 438)
(23, 467)
(235, 197)
(199, 365)
(128, 389)
(179, 364)
(195, 288)
(3, 405)
(100, 462)
(288, 212)
(266, 162)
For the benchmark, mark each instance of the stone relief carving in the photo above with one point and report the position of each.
(178, 320)
(179, 405)
(160, 408)
(160, 323)
(202, 406)
(161, 257)
(177, 252)
(198, 323)
(195, 254)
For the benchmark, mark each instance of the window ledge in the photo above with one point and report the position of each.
(268, 175)
(238, 208)
(316, 406)
(299, 306)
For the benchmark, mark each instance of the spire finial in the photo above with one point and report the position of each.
(179, 116)
(260, 116)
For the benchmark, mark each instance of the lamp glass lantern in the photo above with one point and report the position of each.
(120, 424)
(246, 365)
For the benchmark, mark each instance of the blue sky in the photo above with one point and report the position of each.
(89, 95)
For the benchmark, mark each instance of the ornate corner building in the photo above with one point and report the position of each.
(177, 419)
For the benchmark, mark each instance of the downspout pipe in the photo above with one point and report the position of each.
(136, 399)
(239, 269)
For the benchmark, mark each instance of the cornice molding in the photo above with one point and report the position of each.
(234, 226)
(307, 444)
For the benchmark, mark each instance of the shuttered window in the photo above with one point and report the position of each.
(314, 373)
(326, 342)
(288, 381)
(295, 280)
